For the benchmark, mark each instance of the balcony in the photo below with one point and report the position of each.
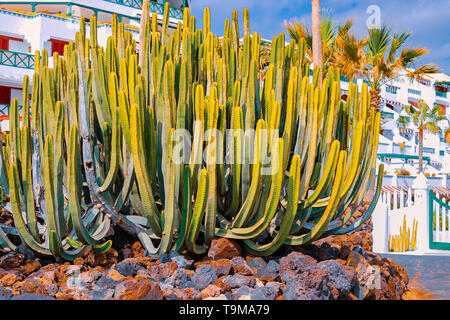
(415, 92)
(387, 115)
(441, 94)
(391, 89)
(4, 110)
(175, 13)
(16, 59)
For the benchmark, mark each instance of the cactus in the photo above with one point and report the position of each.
(406, 240)
(103, 146)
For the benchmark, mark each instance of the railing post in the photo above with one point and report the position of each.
(421, 205)
(69, 10)
(410, 193)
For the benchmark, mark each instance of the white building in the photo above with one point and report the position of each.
(28, 26)
(399, 148)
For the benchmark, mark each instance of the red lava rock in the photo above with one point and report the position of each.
(188, 294)
(106, 260)
(73, 294)
(144, 261)
(259, 267)
(350, 296)
(113, 274)
(333, 290)
(141, 289)
(29, 267)
(211, 291)
(190, 273)
(90, 276)
(32, 286)
(308, 285)
(78, 261)
(222, 285)
(222, 267)
(11, 260)
(10, 278)
(295, 263)
(351, 275)
(240, 266)
(224, 248)
(162, 270)
(137, 250)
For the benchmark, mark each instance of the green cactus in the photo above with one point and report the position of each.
(260, 162)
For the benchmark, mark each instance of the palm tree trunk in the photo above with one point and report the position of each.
(316, 34)
(375, 99)
(420, 149)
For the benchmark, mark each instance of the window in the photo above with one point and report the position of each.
(416, 92)
(58, 46)
(439, 88)
(4, 43)
(5, 95)
(391, 89)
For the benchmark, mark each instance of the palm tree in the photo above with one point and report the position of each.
(349, 54)
(331, 36)
(425, 119)
(381, 59)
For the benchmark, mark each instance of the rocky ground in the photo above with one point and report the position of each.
(334, 268)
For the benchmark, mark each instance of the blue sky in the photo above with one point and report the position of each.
(428, 20)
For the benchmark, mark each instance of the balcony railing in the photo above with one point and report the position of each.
(441, 94)
(4, 110)
(16, 59)
(176, 13)
(413, 91)
(388, 115)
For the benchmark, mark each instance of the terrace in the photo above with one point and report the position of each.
(16, 59)
(126, 9)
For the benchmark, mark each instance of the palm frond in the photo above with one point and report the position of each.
(397, 41)
(409, 56)
(421, 72)
(378, 41)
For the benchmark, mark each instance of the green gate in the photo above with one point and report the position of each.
(439, 210)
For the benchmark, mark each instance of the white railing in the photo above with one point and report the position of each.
(397, 207)
(439, 221)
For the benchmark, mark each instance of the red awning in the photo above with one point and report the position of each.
(389, 189)
(443, 109)
(441, 190)
(414, 104)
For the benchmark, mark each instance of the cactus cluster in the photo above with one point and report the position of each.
(406, 240)
(185, 142)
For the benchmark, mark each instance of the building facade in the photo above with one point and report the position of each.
(399, 147)
(30, 26)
